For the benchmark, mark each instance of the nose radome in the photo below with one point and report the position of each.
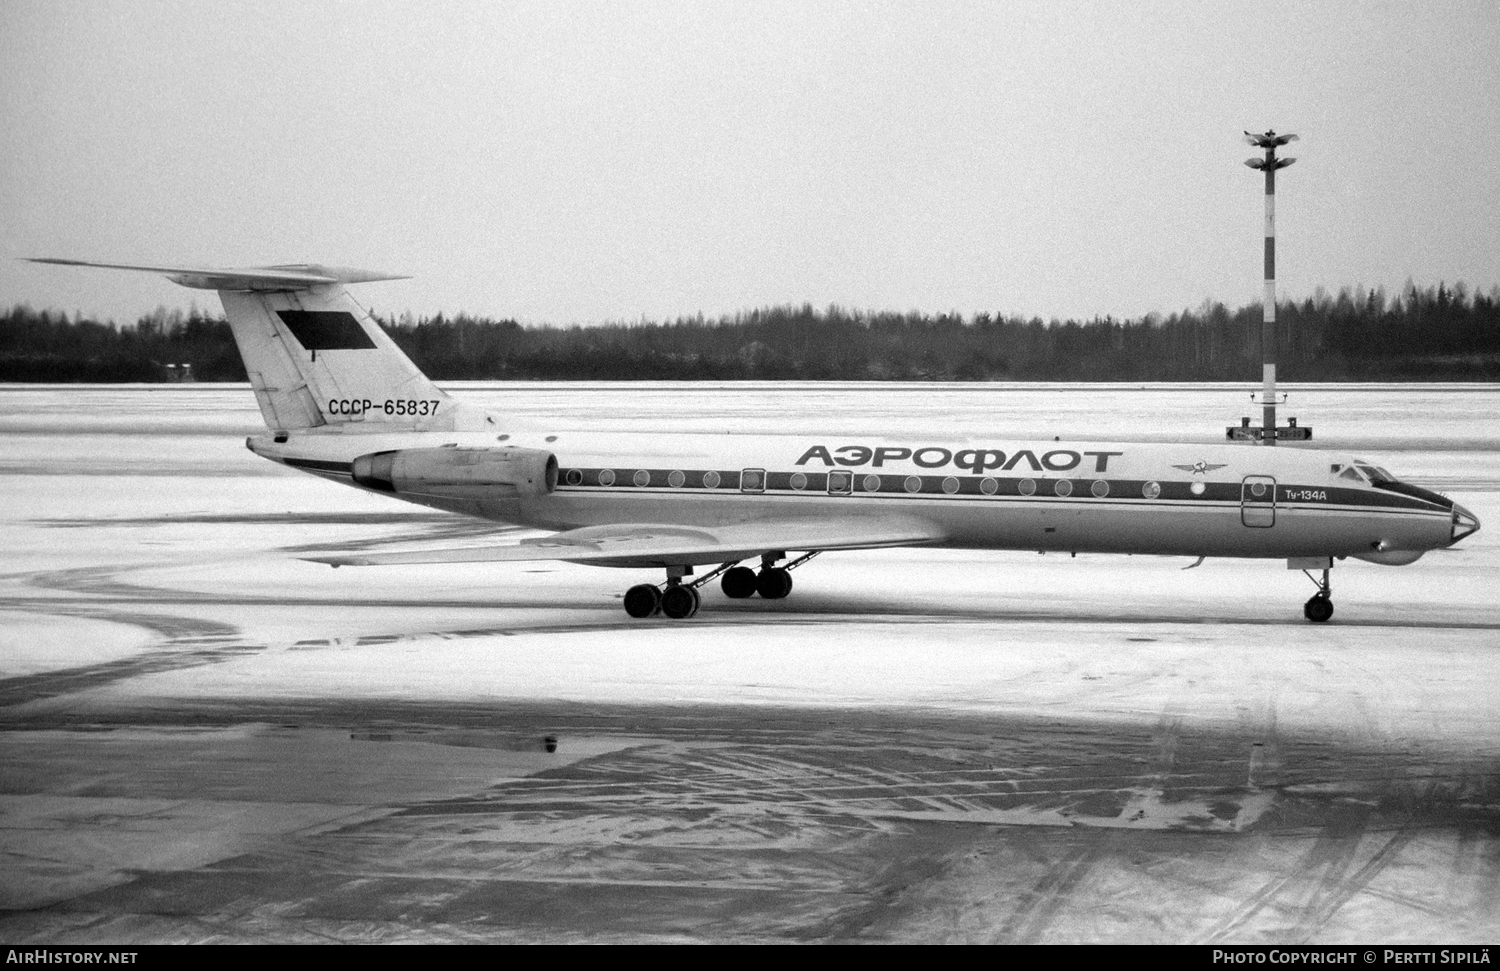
(1465, 523)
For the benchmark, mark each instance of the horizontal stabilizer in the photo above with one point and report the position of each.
(648, 545)
(291, 276)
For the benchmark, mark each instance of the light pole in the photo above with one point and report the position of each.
(1270, 141)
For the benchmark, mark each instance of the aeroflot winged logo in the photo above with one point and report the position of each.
(975, 460)
(1199, 467)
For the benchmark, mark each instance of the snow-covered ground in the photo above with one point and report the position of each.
(117, 502)
(208, 738)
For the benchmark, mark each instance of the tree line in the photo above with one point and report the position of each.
(1436, 333)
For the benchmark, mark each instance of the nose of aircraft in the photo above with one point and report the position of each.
(1465, 523)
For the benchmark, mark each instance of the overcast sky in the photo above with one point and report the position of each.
(580, 162)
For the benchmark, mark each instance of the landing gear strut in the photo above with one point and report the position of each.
(1320, 607)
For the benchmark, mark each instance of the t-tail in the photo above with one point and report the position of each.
(315, 357)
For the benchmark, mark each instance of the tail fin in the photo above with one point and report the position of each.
(315, 356)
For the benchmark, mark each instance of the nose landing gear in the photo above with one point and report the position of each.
(1320, 607)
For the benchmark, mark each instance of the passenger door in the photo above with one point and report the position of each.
(1258, 501)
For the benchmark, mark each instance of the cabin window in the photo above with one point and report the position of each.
(913, 483)
(840, 483)
(950, 485)
(1197, 488)
(872, 483)
(710, 480)
(575, 477)
(606, 477)
(753, 480)
(1151, 490)
(1257, 489)
(642, 478)
(1100, 488)
(676, 479)
(1063, 487)
(988, 486)
(1027, 487)
(799, 481)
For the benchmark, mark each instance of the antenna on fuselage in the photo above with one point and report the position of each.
(1269, 432)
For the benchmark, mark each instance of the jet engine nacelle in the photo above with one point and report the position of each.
(469, 473)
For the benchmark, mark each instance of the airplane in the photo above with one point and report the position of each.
(342, 402)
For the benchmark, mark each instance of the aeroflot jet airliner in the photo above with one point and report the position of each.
(341, 401)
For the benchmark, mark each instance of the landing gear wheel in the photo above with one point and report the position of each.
(773, 583)
(1318, 609)
(679, 602)
(642, 600)
(738, 582)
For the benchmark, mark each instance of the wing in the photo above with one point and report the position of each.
(648, 545)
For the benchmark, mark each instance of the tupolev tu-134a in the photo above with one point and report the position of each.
(341, 401)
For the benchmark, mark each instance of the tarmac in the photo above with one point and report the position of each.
(206, 739)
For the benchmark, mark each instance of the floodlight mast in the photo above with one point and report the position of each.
(1269, 141)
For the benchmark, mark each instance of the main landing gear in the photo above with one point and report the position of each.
(679, 599)
(1320, 607)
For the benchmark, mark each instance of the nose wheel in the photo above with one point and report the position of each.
(1320, 607)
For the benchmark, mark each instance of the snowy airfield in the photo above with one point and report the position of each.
(203, 737)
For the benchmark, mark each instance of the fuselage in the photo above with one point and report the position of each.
(981, 492)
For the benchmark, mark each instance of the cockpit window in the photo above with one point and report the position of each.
(1381, 479)
(1352, 473)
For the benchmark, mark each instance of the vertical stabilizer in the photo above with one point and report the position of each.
(315, 356)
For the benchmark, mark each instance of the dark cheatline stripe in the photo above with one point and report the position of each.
(1418, 492)
(326, 330)
(318, 465)
(972, 486)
